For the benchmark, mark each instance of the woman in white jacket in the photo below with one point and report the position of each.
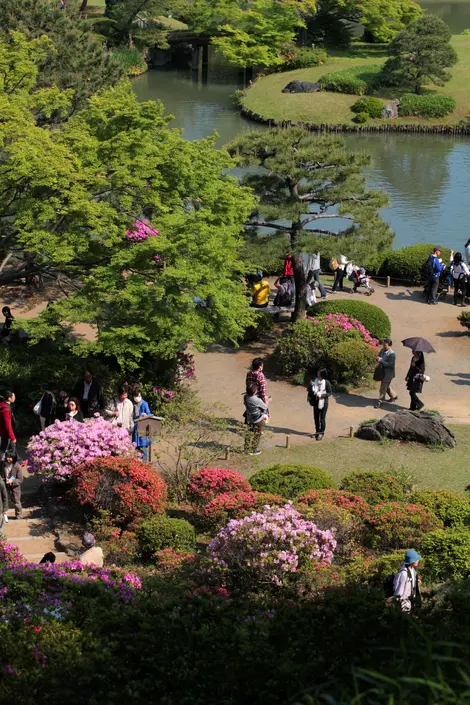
(339, 274)
(121, 410)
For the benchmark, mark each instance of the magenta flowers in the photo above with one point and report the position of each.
(140, 231)
(60, 448)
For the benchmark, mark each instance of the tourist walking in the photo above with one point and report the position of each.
(260, 293)
(406, 582)
(141, 409)
(256, 375)
(3, 505)
(47, 409)
(6, 328)
(319, 391)
(385, 372)
(434, 269)
(74, 413)
(313, 273)
(12, 475)
(256, 414)
(121, 410)
(415, 380)
(7, 424)
(89, 394)
(339, 273)
(94, 554)
(460, 273)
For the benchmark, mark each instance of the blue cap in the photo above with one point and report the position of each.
(88, 540)
(411, 556)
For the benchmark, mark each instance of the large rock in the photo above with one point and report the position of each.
(301, 87)
(413, 426)
(391, 110)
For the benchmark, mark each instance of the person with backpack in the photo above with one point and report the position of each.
(431, 271)
(460, 274)
(285, 293)
(319, 391)
(256, 414)
(406, 583)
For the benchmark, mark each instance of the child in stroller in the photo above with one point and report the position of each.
(359, 278)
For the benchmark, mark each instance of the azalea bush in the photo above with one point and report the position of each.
(126, 487)
(233, 505)
(354, 503)
(207, 483)
(58, 450)
(392, 525)
(157, 533)
(265, 549)
(291, 480)
(348, 527)
(377, 487)
(450, 507)
(447, 554)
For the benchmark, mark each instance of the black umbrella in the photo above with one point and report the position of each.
(418, 345)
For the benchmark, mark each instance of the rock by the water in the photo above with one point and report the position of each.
(391, 109)
(413, 426)
(301, 87)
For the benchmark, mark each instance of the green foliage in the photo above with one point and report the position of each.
(372, 317)
(264, 325)
(361, 118)
(431, 106)
(392, 525)
(406, 263)
(464, 319)
(351, 360)
(157, 533)
(378, 487)
(123, 29)
(348, 528)
(421, 54)
(131, 61)
(369, 105)
(451, 507)
(291, 480)
(356, 80)
(304, 179)
(446, 554)
(304, 58)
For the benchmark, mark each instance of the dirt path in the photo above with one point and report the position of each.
(221, 372)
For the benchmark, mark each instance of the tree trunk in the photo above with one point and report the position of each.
(418, 87)
(300, 289)
(83, 6)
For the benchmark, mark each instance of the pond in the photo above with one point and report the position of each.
(425, 176)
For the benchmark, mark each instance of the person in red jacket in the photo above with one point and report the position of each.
(7, 432)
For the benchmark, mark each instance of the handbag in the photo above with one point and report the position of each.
(379, 373)
(37, 407)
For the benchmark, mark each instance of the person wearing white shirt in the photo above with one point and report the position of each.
(460, 274)
(121, 410)
(340, 272)
(406, 583)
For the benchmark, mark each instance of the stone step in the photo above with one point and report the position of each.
(33, 512)
(32, 545)
(27, 528)
(60, 557)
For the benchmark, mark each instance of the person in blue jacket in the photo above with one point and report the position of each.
(141, 408)
(436, 267)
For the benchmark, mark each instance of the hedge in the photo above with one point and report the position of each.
(357, 80)
(431, 106)
(369, 105)
(372, 317)
(351, 361)
(464, 319)
(451, 507)
(291, 480)
(158, 533)
(406, 263)
(447, 554)
(304, 58)
(378, 487)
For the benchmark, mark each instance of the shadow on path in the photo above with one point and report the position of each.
(361, 402)
(452, 334)
(406, 294)
(465, 375)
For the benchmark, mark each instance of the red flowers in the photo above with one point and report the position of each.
(339, 498)
(210, 482)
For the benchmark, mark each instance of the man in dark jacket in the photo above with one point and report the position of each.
(436, 268)
(7, 424)
(90, 395)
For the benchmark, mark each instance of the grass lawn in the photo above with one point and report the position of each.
(265, 97)
(431, 468)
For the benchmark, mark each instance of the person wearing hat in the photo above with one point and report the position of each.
(406, 583)
(94, 554)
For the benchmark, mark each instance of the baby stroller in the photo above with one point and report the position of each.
(359, 278)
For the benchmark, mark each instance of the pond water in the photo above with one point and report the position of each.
(426, 177)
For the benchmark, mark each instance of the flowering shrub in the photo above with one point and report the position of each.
(291, 480)
(349, 528)
(168, 560)
(230, 505)
(377, 487)
(265, 548)
(338, 498)
(451, 507)
(392, 525)
(140, 231)
(207, 483)
(126, 487)
(62, 447)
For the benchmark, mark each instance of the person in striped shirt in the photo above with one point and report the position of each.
(256, 376)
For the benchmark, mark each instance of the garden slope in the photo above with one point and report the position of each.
(265, 100)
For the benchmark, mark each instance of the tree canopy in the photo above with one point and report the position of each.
(70, 195)
(421, 54)
(312, 196)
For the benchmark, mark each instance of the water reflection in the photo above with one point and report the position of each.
(455, 14)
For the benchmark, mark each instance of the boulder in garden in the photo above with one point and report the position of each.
(301, 87)
(412, 426)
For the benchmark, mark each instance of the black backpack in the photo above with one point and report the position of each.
(388, 585)
(427, 270)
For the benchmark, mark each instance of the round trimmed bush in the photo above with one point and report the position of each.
(158, 533)
(372, 317)
(291, 480)
(450, 507)
(392, 525)
(369, 105)
(406, 263)
(351, 360)
(207, 483)
(361, 118)
(338, 498)
(377, 487)
(355, 80)
(447, 554)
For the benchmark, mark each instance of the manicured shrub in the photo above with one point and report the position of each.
(304, 58)
(373, 571)
(354, 503)
(291, 480)
(372, 317)
(361, 118)
(377, 487)
(392, 525)
(357, 80)
(348, 528)
(234, 505)
(431, 106)
(464, 319)
(207, 483)
(351, 361)
(447, 554)
(169, 561)
(406, 263)
(265, 549)
(57, 451)
(450, 507)
(159, 533)
(369, 105)
(126, 487)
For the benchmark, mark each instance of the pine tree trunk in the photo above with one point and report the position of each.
(300, 289)
(83, 6)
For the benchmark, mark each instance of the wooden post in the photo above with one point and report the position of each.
(388, 282)
(227, 452)
(195, 61)
(287, 441)
(351, 432)
(205, 54)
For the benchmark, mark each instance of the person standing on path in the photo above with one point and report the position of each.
(3, 505)
(313, 273)
(435, 269)
(90, 395)
(255, 375)
(73, 411)
(12, 474)
(319, 392)
(339, 274)
(121, 410)
(7, 424)
(414, 380)
(386, 359)
(48, 409)
(460, 274)
(141, 409)
(288, 269)
(256, 412)
(406, 582)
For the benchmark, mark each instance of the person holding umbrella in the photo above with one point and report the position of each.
(415, 376)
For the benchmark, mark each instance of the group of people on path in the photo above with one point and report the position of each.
(440, 278)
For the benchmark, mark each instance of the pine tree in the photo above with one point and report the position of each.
(312, 196)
